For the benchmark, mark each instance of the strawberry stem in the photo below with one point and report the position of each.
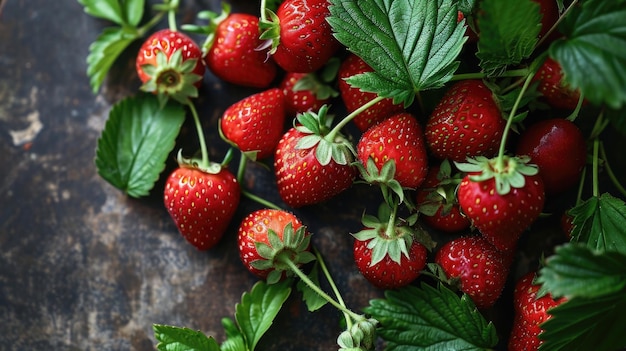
(390, 231)
(171, 15)
(556, 24)
(337, 129)
(576, 111)
(332, 284)
(259, 199)
(204, 163)
(609, 171)
(262, 11)
(296, 270)
(596, 148)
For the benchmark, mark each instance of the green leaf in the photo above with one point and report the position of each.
(411, 45)
(133, 11)
(593, 55)
(182, 339)
(234, 339)
(258, 308)
(136, 140)
(104, 51)
(578, 271)
(429, 318)
(106, 9)
(508, 33)
(599, 223)
(312, 299)
(583, 324)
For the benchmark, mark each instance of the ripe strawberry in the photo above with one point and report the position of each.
(390, 257)
(479, 269)
(255, 123)
(555, 90)
(467, 122)
(305, 92)
(353, 98)
(266, 237)
(312, 165)
(437, 202)
(201, 203)
(301, 39)
(169, 64)
(530, 312)
(398, 138)
(231, 50)
(501, 200)
(558, 148)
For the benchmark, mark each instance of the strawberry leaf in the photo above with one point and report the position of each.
(135, 142)
(106, 9)
(599, 223)
(234, 339)
(431, 318)
(593, 56)
(104, 51)
(258, 308)
(411, 45)
(133, 11)
(593, 316)
(578, 271)
(182, 339)
(508, 33)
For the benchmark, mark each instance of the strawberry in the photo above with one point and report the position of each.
(558, 148)
(255, 123)
(312, 164)
(201, 202)
(169, 64)
(467, 122)
(354, 98)
(398, 138)
(555, 91)
(437, 202)
(390, 256)
(267, 237)
(231, 50)
(530, 311)
(501, 197)
(305, 92)
(479, 269)
(300, 37)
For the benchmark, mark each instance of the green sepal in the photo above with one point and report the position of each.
(510, 173)
(270, 31)
(214, 19)
(172, 78)
(384, 178)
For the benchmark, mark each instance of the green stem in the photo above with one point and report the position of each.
(576, 111)
(262, 11)
(596, 147)
(171, 15)
(581, 186)
(141, 31)
(241, 170)
(337, 129)
(204, 163)
(509, 122)
(391, 224)
(609, 171)
(260, 200)
(295, 269)
(333, 286)
(556, 24)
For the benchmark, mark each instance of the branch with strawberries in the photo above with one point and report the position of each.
(475, 120)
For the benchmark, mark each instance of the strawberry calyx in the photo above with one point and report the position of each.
(319, 82)
(214, 19)
(385, 178)
(507, 171)
(208, 167)
(328, 146)
(270, 31)
(172, 77)
(282, 254)
(360, 336)
(391, 236)
(442, 196)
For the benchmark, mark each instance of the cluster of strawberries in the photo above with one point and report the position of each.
(453, 163)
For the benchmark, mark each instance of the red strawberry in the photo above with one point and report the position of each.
(169, 64)
(305, 92)
(530, 311)
(437, 203)
(479, 268)
(231, 50)
(501, 200)
(312, 165)
(467, 122)
(398, 138)
(353, 98)
(201, 203)
(558, 148)
(390, 257)
(555, 90)
(266, 233)
(301, 39)
(255, 123)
